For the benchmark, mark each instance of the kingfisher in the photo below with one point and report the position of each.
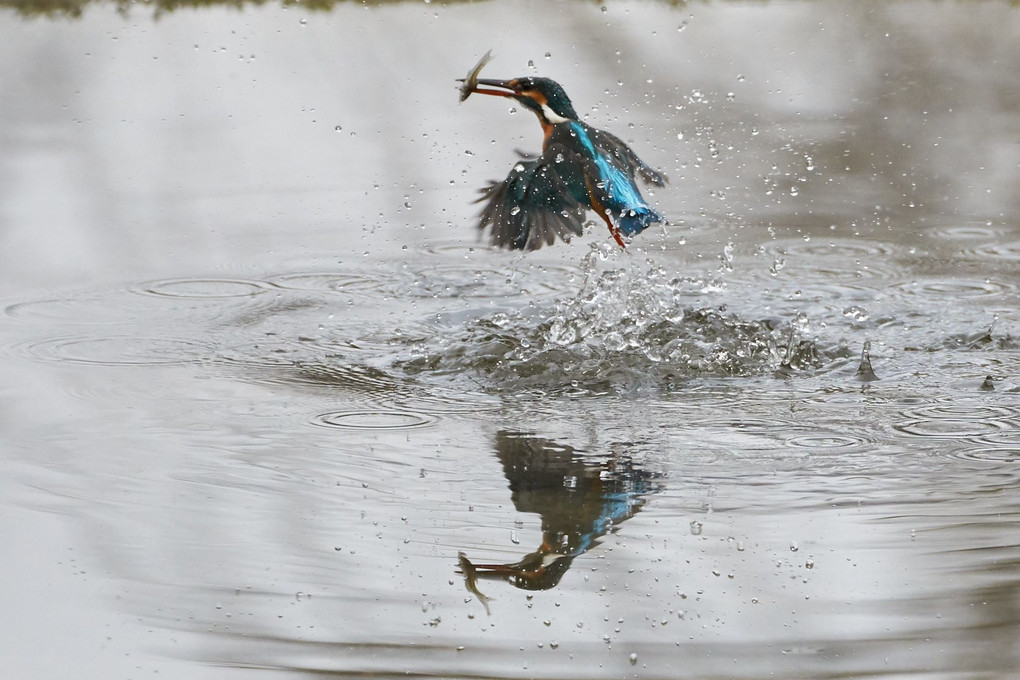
(580, 168)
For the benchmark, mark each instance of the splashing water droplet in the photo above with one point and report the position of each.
(864, 371)
(777, 265)
(856, 312)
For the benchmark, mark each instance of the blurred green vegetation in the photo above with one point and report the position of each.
(74, 8)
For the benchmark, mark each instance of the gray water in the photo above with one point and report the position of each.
(262, 383)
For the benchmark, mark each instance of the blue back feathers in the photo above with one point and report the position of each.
(618, 192)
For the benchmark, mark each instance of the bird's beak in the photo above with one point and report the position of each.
(506, 91)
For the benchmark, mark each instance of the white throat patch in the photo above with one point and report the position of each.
(552, 116)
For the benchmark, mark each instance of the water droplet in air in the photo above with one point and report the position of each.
(777, 266)
(856, 312)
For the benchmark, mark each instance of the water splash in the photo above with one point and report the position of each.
(626, 329)
(865, 373)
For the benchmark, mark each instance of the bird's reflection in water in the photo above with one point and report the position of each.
(579, 497)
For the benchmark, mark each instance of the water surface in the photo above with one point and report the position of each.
(263, 384)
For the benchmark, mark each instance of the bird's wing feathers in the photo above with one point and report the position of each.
(533, 205)
(613, 146)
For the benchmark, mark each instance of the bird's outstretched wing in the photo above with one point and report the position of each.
(534, 204)
(609, 144)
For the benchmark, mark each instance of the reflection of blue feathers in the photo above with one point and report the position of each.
(616, 507)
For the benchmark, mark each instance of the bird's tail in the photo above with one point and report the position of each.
(636, 220)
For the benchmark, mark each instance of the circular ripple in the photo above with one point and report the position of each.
(831, 248)
(202, 289)
(331, 282)
(455, 247)
(829, 441)
(1000, 251)
(991, 454)
(962, 412)
(855, 277)
(83, 310)
(950, 428)
(966, 232)
(1008, 438)
(373, 420)
(954, 288)
(118, 351)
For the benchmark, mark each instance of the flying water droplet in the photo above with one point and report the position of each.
(856, 312)
(777, 265)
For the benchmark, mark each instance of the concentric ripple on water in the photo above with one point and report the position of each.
(119, 350)
(960, 421)
(202, 288)
(954, 289)
(372, 420)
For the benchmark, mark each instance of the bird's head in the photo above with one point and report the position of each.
(543, 96)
